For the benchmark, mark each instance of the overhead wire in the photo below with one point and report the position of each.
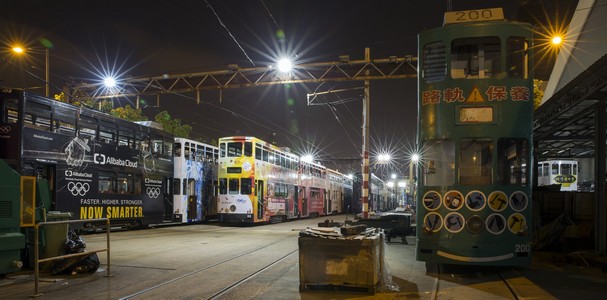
(230, 33)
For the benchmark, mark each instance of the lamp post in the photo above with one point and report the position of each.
(412, 162)
(46, 68)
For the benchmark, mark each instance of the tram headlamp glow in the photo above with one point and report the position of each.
(475, 225)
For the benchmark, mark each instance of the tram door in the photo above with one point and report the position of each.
(167, 195)
(296, 202)
(302, 200)
(260, 193)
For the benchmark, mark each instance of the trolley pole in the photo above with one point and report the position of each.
(365, 168)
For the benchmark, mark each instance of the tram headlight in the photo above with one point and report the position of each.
(232, 208)
(475, 224)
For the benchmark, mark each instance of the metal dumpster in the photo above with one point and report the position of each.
(333, 261)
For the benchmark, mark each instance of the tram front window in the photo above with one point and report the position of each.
(234, 149)
(475, 163)
(438, 162)
(474, 58)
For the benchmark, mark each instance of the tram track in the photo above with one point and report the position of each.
(228, 287)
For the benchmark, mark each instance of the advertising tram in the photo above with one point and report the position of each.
(563, 172)
(260, 182)
(475, 134)
(194, 181)
(96, 165)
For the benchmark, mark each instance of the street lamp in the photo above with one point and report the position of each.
(414, 159)
(20, 50)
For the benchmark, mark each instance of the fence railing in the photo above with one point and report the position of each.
(37, 259)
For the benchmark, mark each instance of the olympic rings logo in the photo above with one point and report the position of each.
(78, 188)
(153, 192)
(5, 129)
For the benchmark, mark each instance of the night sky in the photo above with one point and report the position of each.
(151, 38)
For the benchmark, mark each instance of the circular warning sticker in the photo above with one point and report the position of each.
(498, 201)
(433, 222)
(453, 200)
(496, 223)
(518, 201)
(432, 200)
(475, 200)
(475, 224)
(454, 222)
(517, 223)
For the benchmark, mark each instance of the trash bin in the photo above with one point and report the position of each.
(53, 236)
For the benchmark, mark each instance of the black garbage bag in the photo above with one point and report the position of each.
(78, 264)
(74, 243)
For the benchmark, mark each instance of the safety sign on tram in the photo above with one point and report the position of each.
(432, 200)
(517, 223)
(433, 222)
(475, 200)
(518, 201)
(454, 200)
(498, 201)
(496, 223)
(454, 222)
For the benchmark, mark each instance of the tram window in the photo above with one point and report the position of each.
(518, 57)
(125, 137)
(107, 132)
(38, 116)
(167, 148)
(223, 186)
(545, 167)
(176, 186)
(257, 151)
(234, 149)
(124, 183)
(105, 182)
(156, 146)
(186, 151)
(245, 186)
(10, 111)
(439, 160)
(473, 58)
(233, 186)
(435, 62)
(222, 150)
(248, 149)
(177, 149)
(266, 154)
(539, 170)
(566, 169)
(512, 161)
(87, 127)
(64, 120)
(555, 169)
(475, 161)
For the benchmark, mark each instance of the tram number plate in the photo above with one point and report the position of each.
(476, 15)
(522, 248)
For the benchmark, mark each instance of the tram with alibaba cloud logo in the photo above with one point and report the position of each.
(95, 165)
(475, 132)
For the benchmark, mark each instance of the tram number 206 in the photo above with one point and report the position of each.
(522, 248)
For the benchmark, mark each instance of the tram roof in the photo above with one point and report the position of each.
(565, 125)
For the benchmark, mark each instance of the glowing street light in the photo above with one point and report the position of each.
(284, 65)
(556, 40)
(109, 82)
(307, 158)
(21, 50)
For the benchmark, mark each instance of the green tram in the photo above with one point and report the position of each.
(475, 136)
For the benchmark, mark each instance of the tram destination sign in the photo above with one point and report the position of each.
(475, 15)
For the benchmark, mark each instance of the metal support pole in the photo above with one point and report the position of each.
(47, 72)
(365, 168)
(599, 194)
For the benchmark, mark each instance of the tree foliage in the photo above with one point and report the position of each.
(538, 92)
(129, 113)
(173, 125)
